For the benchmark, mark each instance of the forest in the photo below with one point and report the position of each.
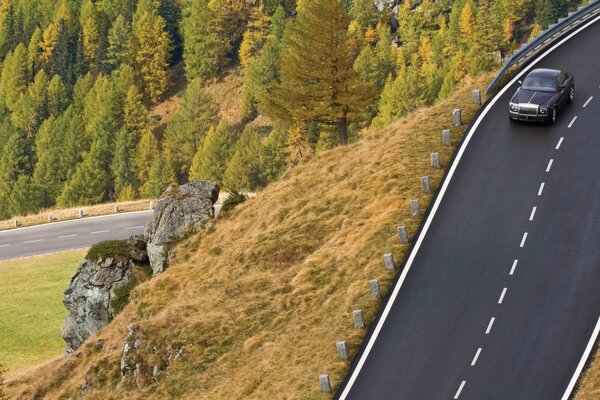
(79, 77)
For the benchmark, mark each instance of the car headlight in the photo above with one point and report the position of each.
(514, 107)
(543, 110)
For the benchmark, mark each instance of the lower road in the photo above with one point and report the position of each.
(500, 299)
(69, 235)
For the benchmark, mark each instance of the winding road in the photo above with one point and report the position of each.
(500, 297)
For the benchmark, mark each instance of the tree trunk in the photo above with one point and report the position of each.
(343, 131)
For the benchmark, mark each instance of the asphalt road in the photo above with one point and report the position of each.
(68, 235)
(502, 297)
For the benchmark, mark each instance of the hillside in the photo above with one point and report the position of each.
(260, 300)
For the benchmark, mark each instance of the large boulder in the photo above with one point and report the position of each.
(180, 211)
(89, 298)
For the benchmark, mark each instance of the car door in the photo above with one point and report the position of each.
(563, 92)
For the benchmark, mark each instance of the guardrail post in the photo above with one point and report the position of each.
(477, 96)
(50, 218)
(359, 321)
(457, 117)
(117, 209)
(446, 137)
(402, 234)
(388, 259)
(425, 184)
(415, 208)
(325, 383)
(375, 291)
(81, 214)
(435, 160)
(342, 349)
(151, 207)
(16, 223)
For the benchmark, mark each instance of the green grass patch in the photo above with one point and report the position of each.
(117, 249)
(31, 312)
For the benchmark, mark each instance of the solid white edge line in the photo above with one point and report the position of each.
(549, 167)
(458, 392)
(436, 205)
(532, 216)
(476, 357)
(588, 101)
(573, 121)
(501, 299)
(559, 143)
(490, 325)
(582, 362)
(74, 221)
(514, 267)
(541, 191)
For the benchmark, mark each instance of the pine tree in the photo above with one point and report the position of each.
(147, 151)
(123, 165)
(486, 41)
(135, 113)
(161, 176)
(255, 36)
(26, 197)
(244, 170)
(48, 174)
(365, 12)
(317, 79)
(186, 132)
(34, 52)
(119, 43)
(32, 107)
(58, 99)
(15, 76)
(376, 64)
(274, 157)
(210, 161)
(152, 47)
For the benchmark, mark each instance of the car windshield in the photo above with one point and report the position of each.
(540, 84)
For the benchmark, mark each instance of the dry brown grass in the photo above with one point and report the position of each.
(260, 300)
(589, 384)
(65, 214)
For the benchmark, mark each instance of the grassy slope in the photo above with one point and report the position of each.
(31, 312)
(260, 301)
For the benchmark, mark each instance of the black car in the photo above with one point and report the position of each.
(541, 95)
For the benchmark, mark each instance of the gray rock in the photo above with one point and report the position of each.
(181, 210)
(88, 297)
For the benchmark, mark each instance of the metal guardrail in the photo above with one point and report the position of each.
(547, 37)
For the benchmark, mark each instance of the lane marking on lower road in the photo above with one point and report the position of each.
(4, 245)
(541, 189)
(588, 101)
(99, 232)
(476, 357)
(524, 239)
(549, 167)
(134, 227)
(33, 241)
(462, 385)
(532, 216)
(501, 299)
(514, 267)
(559, 143)
(489, 328)
(67, 236)
(573, 121)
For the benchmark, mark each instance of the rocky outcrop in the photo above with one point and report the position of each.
(89, 298)
(181, 210)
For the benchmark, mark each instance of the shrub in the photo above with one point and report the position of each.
(121, 295)
(233, 201)
(3, 395)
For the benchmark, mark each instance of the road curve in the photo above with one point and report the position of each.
(500, 297)
(69, 235)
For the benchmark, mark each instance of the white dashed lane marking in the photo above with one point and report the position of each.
(541, 190)
(4, 245)
(134, 227)
(490, 325)
(501, 299)
(99, 232)
(514, 267)
(559, 143)
(573, 121)
(66, 236)
(524, 239)
(588, 101)
(532, 216)
(549, 167)
(33, 241)
(460, 389)
(476, 357)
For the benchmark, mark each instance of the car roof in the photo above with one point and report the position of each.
(544, 73)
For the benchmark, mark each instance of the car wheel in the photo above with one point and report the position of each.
(553, 118)
(572, 94)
